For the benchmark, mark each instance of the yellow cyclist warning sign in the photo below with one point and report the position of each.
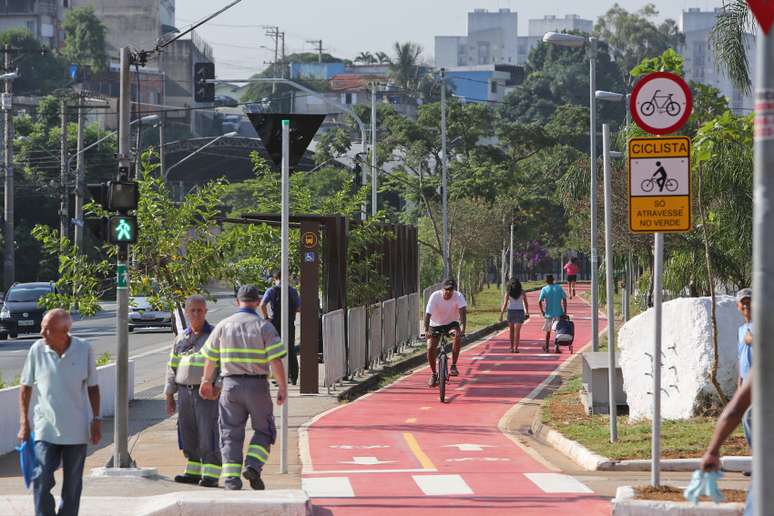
(660, 185)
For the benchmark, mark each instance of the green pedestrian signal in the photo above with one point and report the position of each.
(122, 229)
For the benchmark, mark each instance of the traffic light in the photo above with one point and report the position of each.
(122, 229)
(116, 195)
(204, 92)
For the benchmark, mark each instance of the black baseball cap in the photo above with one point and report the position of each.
(248, 293)
(449, 283)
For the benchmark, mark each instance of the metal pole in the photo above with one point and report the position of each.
(627, 287)
(64, 204)
(9, 261)
(510, 259)
(121, 458)
(162, 126)
(285, 282)
(658, 270)
(763, 281)
(593, 198)
(79, 179)
(610, 290)
(374, 176)
(444, 178)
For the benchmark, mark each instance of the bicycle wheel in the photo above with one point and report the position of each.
(671, 185)
(443, 374)
(673, 108)
(647, 108)
(647, 185)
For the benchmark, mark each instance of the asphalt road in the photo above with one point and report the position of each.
(148, 348)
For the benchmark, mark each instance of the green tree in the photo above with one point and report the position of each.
(84, 38)
(41, 72)
(365, 58)
(729, 42)
(405, 67)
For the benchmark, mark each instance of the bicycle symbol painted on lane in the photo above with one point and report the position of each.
(663, 103)
(661, 179)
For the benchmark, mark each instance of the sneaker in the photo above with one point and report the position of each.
(453, 371)
(187, 479)
(433, 381)
(208, 482)
(254, 478)
(232, 484)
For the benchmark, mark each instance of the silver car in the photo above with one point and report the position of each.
(143, 315)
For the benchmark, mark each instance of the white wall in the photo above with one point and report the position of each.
(9, 404)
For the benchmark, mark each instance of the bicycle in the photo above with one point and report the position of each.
(442, 366)
(671, 185)
(670, 106)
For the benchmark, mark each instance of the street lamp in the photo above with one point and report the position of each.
(197, 151)
(573, 41)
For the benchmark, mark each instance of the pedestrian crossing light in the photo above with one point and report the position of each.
(122, 229)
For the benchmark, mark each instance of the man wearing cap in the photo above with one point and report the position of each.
(245, 346)
(446, 313)
(197, 422)
(744, 342)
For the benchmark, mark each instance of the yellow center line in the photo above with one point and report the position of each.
(413, 445)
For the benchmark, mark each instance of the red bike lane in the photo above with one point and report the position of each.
(401, 449)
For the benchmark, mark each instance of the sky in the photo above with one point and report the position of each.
(348, 27)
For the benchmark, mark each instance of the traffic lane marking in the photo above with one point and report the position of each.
(419, 454)
(327, 487)
(437, 485)
(557, 483)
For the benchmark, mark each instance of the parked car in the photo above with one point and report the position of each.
(21, 313)
(143, 315)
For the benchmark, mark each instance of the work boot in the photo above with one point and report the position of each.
(232, 484)
(208, 482)
(433, 381)
(453, 370)
(187, 479)
(254, 478)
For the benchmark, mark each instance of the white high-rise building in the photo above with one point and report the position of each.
(700, 62)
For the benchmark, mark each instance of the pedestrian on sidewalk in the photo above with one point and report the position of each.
(571, 269)
(445, 314)
(737, 410)
(515, 301)
(744, 341)
(197, 422)
(245, 346)
(63, 373)
(553, 305)
(272, 298)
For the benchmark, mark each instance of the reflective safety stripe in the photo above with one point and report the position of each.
(209, 353)
(174, 360)
(251, 351)
(259, 452)
(193, 468)
(231, 470)
(194, 360)
(211, 470)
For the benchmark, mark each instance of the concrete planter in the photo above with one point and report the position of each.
(9, 404)
(624, 504)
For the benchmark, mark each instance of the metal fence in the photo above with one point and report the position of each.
(334, 348)
(357, 339)
(389, 338)
(402, 321)
(374, 334)
(414, 316)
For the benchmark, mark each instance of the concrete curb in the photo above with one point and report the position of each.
(624, 504)
(188, 503)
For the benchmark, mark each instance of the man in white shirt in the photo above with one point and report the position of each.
(446, 313)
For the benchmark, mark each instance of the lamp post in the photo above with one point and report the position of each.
(197, 151)
(573, 41)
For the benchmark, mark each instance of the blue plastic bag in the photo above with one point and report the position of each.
(27, 460)
(704, 483)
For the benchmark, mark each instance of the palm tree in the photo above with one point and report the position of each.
(404, 67)
(728, 42)
(383, 58)
(365, 58)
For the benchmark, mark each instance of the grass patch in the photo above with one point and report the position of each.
(104, 359)
(4, 385)
(486, 310)
(564, 412)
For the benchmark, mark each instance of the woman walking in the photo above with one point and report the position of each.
(518, 311)
(571, 269)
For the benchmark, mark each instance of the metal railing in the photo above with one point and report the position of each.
(389, 337)
(334, 348)
(357, 339)
(374, 334)
(402, 323)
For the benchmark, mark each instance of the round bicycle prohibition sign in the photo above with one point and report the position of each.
(661, 103)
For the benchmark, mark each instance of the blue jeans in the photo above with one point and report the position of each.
(50, 456)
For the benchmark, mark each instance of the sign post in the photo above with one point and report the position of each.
(659, 196)
(285, 272)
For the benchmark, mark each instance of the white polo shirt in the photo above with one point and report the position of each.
(444, 311)
(62, 412)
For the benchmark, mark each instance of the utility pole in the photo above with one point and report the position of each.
(593, 198)
(510, 259)
(609, 281)
(273, 31)
(283, 62)
(444, 178)
(374, 180)
(162, 127)
(64, 204)
(9, 261)
(319, 46)
(79, 179)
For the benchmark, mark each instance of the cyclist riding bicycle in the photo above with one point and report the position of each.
(662, 176)
(446, 313)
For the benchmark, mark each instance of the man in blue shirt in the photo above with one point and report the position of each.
(62, 371)
(273, 298)
(744, 341)
(553, 305)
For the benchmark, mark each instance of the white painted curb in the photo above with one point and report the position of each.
(624, 504)
(188, 503)
(9, 404)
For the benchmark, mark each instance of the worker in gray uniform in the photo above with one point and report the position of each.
(197, 423)
(245, 346)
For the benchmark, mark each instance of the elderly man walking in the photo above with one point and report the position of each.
(197, 422)
(62, 371)
(245, 346)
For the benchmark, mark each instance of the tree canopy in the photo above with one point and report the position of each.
(84, 38)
